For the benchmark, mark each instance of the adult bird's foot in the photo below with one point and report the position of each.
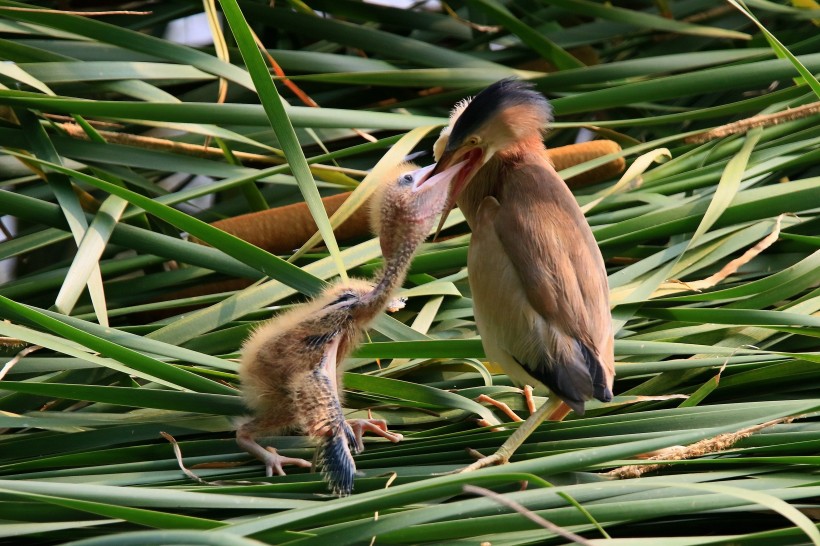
(527, 392)
(274, 461)
(505, 409)
(376, 426)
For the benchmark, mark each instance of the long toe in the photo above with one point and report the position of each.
(275, 462)
(375, 426)
(527, 392)
(301, 463)
(500, 405)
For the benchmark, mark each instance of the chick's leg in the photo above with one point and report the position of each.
(359, 426)
(376, 426)
(268, 455)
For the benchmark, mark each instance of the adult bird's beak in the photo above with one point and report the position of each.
(431, 189)
(466, 161)
(434, 177)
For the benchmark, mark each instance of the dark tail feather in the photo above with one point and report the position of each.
(352, 441)
(324, 420)
(600, 390)
(575, 381)
(338, 465)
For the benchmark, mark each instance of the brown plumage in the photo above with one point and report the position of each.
(290, 381)
(289, 368)
(536, 274)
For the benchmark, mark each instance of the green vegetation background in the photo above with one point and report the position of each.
(81, 456)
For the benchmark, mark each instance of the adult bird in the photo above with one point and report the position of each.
(537, 277)
(289, 370)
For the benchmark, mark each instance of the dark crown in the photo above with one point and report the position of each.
(492, 101)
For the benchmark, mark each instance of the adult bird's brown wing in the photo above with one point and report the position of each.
(549, 245)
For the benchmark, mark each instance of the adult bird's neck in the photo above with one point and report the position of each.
(489, 180)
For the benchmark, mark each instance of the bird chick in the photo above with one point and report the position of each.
(402, 213)
(289, 368)
(290, 382)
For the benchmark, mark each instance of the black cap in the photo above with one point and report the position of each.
(491, 101)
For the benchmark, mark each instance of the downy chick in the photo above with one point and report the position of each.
(289, 368)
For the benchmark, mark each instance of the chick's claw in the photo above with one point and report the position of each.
(274, 461)
(375, 426)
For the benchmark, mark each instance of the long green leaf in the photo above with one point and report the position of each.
(278, 118)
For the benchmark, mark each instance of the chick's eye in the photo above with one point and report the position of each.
(343, 298)
(474, 140)
(407, 178)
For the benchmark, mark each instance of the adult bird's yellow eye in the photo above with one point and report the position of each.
(474, 140)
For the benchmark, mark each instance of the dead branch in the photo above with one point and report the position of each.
(721, 442)
(762, 120)
(527, 513)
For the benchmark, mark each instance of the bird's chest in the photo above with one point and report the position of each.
(506, 321)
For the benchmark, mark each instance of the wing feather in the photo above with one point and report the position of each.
(322, 418)
(537, 230)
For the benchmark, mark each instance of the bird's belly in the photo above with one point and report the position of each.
(505, 319)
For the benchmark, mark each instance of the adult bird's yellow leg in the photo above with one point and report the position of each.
(502, 456)
(500, 405)
(527, 391)
(560, 412)
(506, 410)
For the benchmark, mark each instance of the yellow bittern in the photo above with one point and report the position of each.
(537, 277)
(289, 369)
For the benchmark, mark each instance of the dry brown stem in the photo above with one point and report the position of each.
(298, 91)
(165, 145)
(747, 256)
(194, 477)
(727, 270)
(81, 13)
(736, 264)
(718, 443)
(708, 14)
(18, 357)
(762, 120)
(470, 24)
(527, 513)
(92, 122)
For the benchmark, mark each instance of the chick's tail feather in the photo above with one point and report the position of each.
(336, 456)
(325, 421)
